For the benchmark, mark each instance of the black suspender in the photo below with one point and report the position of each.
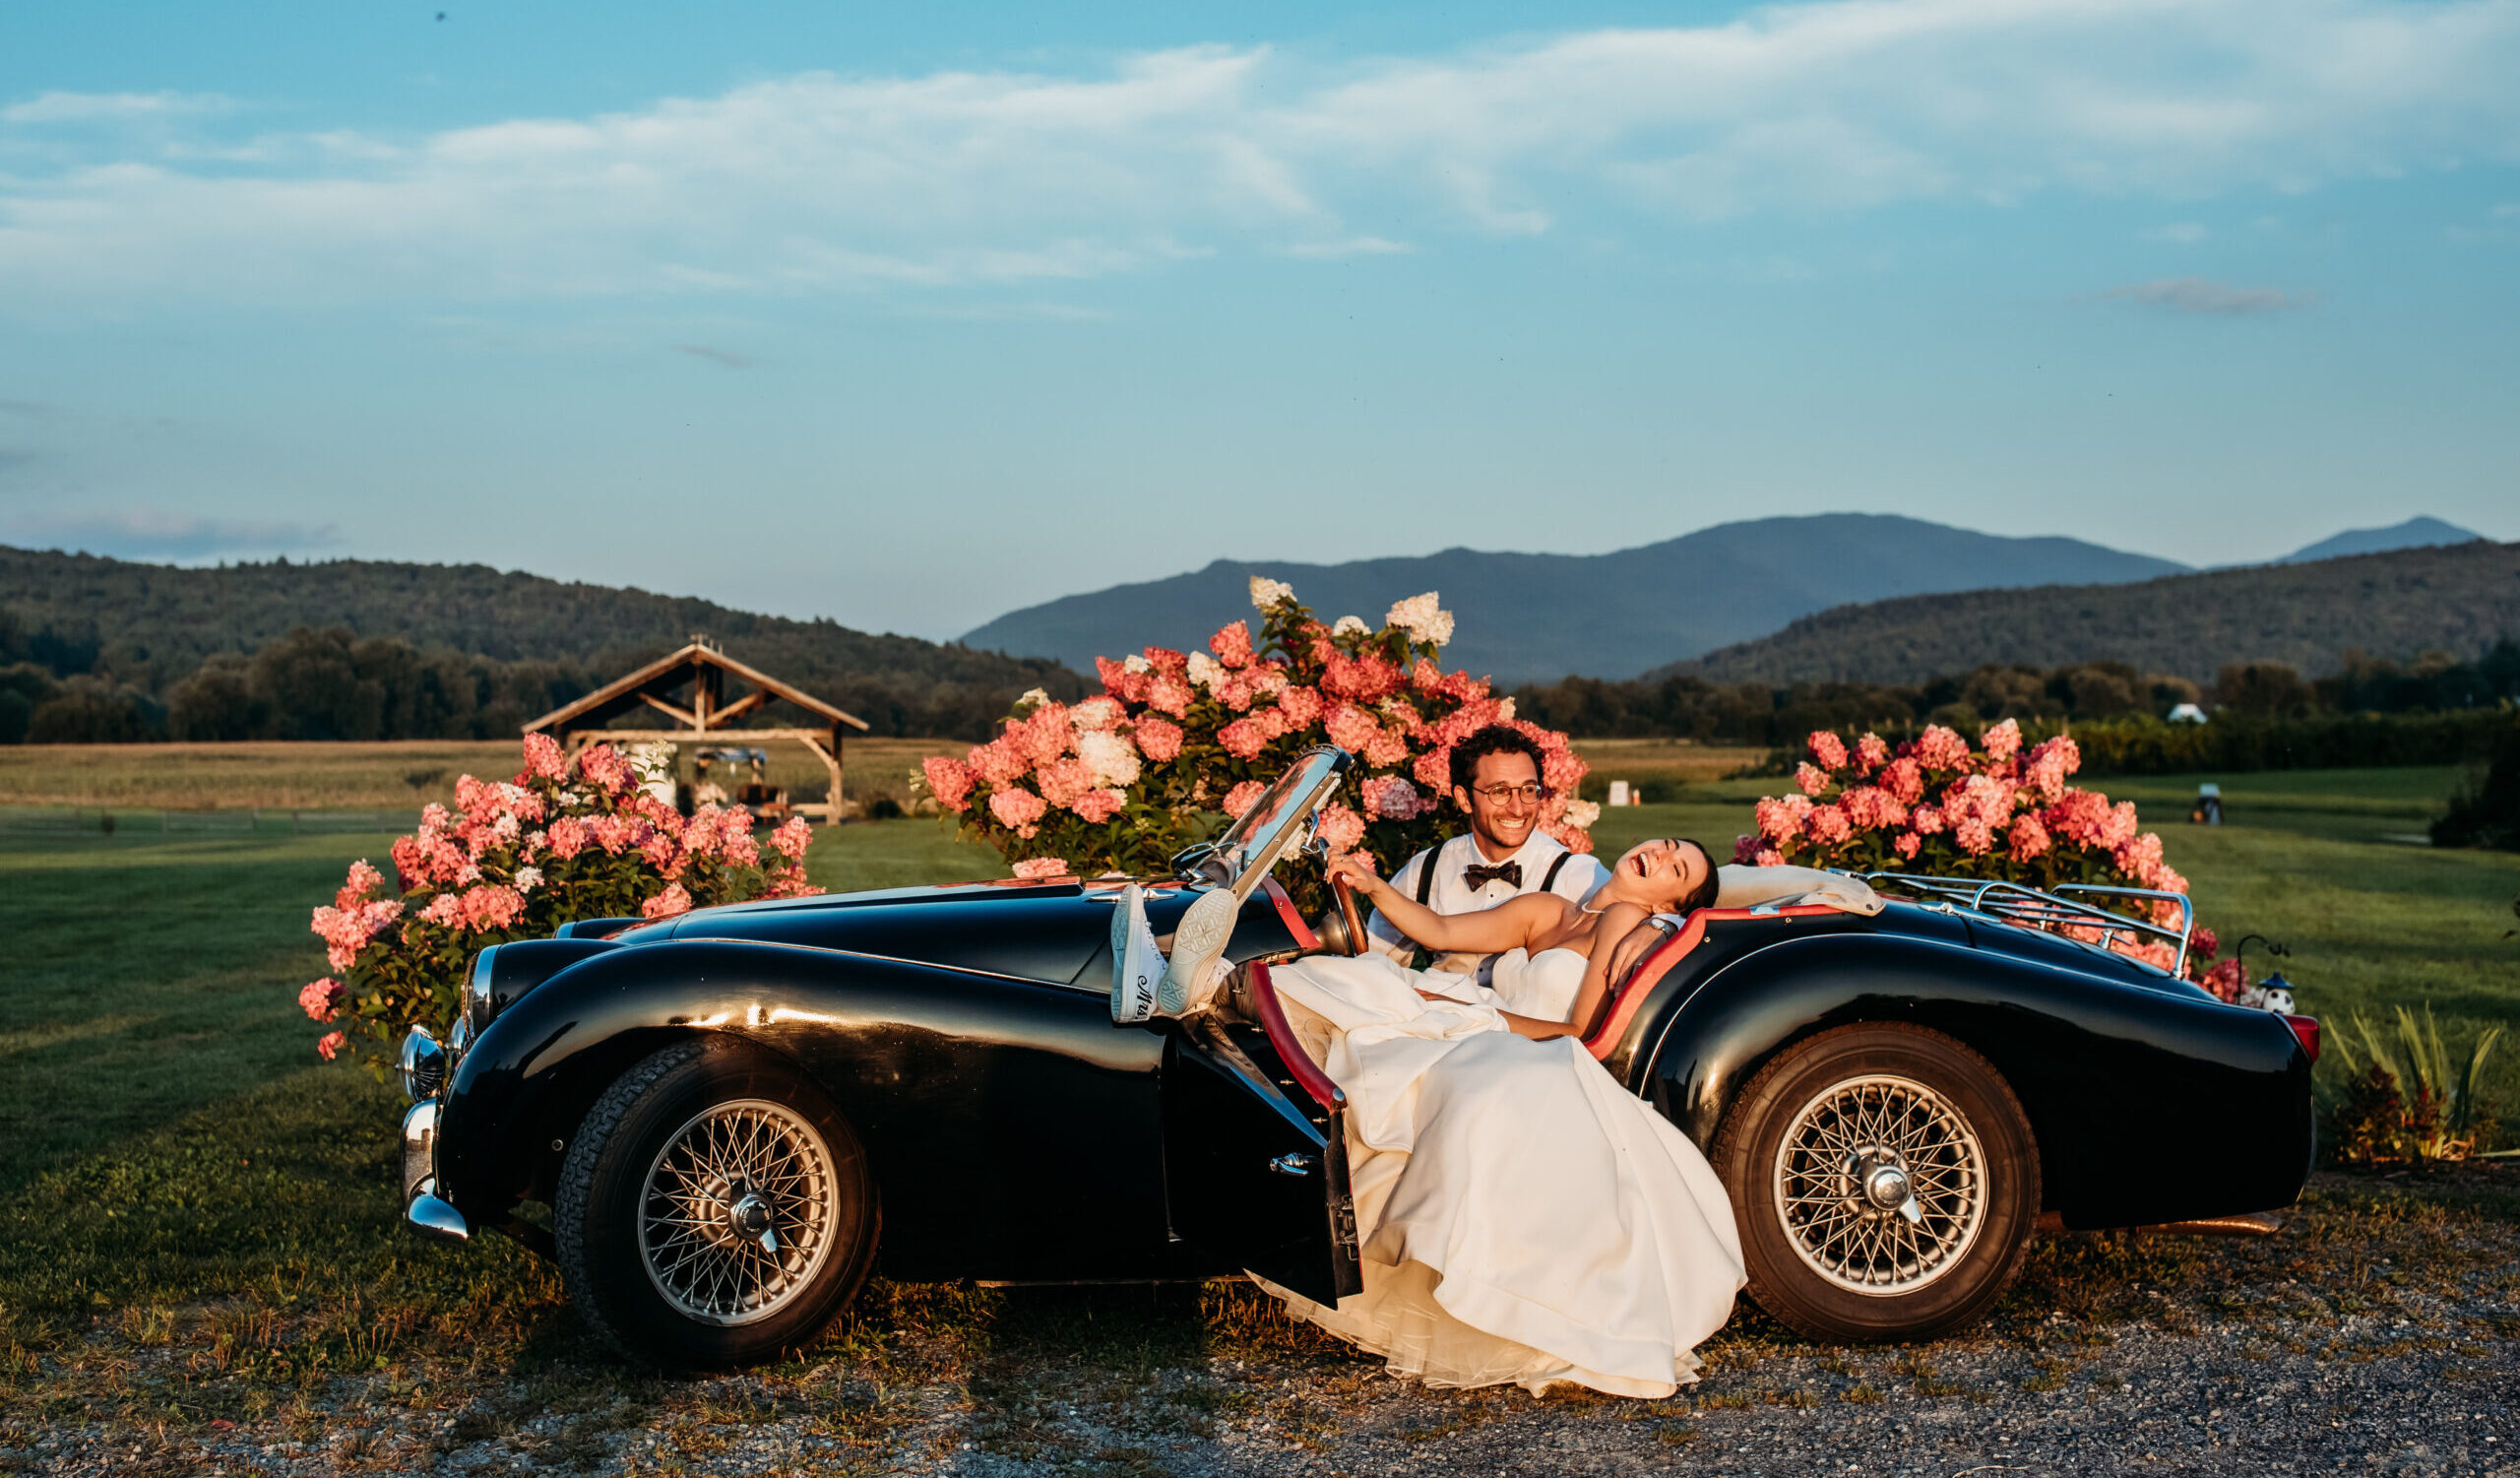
(1548, 879)
(1426, 876)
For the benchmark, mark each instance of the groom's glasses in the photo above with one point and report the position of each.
(1498, 794)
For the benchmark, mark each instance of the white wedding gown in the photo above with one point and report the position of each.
(1524, 1218)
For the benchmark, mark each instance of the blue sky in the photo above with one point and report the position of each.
(910, 316)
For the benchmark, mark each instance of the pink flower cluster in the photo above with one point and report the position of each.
(1167, 723)
(559, 841)
(1935, 805)
(322, 999)
(1390, 796)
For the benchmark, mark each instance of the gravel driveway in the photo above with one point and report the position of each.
(2380, 1333)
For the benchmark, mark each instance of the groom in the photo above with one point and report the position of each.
(1495, 776)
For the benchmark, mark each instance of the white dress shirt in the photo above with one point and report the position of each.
(1453, 894)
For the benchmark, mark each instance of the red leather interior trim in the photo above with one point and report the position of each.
(1282, 1036)
(1640, 980)
(1286, 915)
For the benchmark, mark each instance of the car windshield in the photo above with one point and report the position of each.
(1274, 824)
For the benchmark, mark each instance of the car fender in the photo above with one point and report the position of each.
(972, 1092)
(2149, 1105)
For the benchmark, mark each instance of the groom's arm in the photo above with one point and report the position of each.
(1381, 934)
(1487, 932)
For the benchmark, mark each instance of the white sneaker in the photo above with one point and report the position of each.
(1198, 949)
(1135, 961)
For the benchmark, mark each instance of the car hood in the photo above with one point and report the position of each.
(1045, 931)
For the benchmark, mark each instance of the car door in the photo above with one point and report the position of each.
(1251, 1183)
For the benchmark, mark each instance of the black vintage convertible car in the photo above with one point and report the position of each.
(737, 1115)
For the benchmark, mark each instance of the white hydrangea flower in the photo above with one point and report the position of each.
(1581, 814)
(1267, 593)
(528, 879)
(1505, 711)
(1032, 698)
(1350, 626)
(1136, 663)
(1111, 757)
(652, 760)
(1206, 671)
(1101, 711)
(1422, 618)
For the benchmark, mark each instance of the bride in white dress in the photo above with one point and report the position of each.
(1524, 1218)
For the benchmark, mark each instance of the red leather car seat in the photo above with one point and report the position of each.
(1660, 961)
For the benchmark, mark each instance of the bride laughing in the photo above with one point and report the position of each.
(1524, 1217)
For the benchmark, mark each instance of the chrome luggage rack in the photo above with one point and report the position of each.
(2053, 911)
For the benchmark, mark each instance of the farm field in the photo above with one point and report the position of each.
(197, 1226)
(402, 775)
(409, 774)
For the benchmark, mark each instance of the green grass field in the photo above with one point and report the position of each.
(2328, 861)
(402, 775)
(179, 1171)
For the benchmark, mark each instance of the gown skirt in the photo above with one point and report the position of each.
(1524, 1218)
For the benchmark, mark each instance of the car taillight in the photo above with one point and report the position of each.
(2305, 1030)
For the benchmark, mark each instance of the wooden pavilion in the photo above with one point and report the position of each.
(689, 687)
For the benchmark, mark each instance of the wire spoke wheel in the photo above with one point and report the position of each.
(1880, 1185)
(737, 1213)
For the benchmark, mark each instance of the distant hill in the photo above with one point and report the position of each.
(2413, 533)
(1537, 618)
(2457, 597)
(149, 626)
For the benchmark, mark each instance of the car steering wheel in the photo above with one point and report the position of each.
(1351, 919)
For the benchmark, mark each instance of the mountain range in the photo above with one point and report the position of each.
(2454, 598)
(147, 626)
(1537, 618)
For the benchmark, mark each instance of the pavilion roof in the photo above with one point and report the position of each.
(652, 687)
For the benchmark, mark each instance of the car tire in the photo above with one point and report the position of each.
(713, 1210)
(1885, 1182)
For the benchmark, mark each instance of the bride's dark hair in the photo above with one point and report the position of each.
(1703, 895)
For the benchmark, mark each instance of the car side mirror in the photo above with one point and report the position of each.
(1199, 862)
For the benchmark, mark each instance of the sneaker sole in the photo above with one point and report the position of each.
(1197, 941)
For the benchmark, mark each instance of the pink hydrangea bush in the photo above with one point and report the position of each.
(1178, 742)
(1937, 806)
(515, 859)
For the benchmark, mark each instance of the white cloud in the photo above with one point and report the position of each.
(1349, 246)
(162, 534)
(2201, 295)
(817, 183)
(112, 107)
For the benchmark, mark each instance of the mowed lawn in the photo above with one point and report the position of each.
(178, 1165)
(400, 774)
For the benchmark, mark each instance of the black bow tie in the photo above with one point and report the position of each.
(1506, 872)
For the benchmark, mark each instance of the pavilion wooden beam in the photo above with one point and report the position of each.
(670, 711)
(705, 717)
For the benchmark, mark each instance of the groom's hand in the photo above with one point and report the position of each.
(1632, 948)
(1357, 871)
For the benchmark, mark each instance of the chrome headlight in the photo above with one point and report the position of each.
(423, 1064)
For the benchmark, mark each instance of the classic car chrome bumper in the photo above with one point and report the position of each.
(429, 1214)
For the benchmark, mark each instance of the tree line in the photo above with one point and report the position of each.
(332, 684)
(1686, 706)
(107, 649)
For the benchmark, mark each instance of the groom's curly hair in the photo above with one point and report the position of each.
(1495, 739)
